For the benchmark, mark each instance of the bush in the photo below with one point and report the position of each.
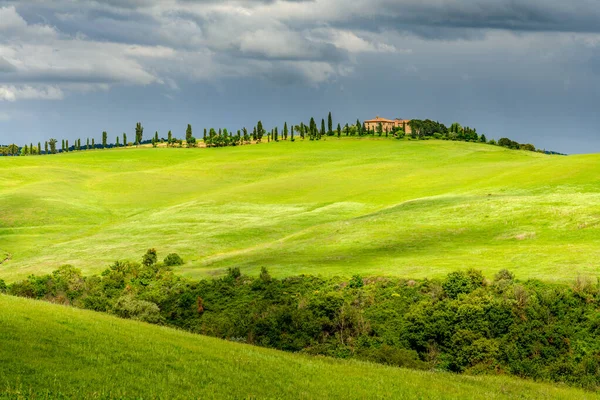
(462, 283)
(3, 286)
(150, 258)
(172, 260)
(128, 307)
(356, 282)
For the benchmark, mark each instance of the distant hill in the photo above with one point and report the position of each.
(373, 206)
(56, 352)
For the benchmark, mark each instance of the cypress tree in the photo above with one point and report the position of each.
(312, 128)
(188, 133)
(329, 124)
(170, 137)
(359, 130)
(276, 135)
(322, 131)
(39, 149)
(347, 130)
(104, 139)
(302, 130)
(285, 131)
(88, 143)
(93, 144)
(25, 150)
(124, 139)
(204, 135)
(156, 140)
(117, 142)
(292, 133)
(339, 130)
(259, 131)
(67, 145)
(62, 147)
(46, 148)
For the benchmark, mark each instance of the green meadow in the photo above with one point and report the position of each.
(333, 208)
(57, 352)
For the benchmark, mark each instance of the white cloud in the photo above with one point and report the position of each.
(26, 92)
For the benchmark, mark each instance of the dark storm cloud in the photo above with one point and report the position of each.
(492, 64)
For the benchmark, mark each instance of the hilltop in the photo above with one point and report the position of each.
(51, 351)
(336, 207)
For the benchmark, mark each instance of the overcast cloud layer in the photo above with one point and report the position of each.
(528, 70)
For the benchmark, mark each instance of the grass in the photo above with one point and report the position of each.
(337, 207)
(51, 351)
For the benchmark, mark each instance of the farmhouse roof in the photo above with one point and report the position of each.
(379, 119)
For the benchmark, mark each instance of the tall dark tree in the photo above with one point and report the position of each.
(204, 135)
(39, 149)
(276, 135)
(339, 130)
(285, 131)
(117, 142)
(312, 129)
(329, 125)
(322, 131)
(139, 133)
(259, 131)
(124, 139)
(93, 144)
(67, 145)
(347, 128)
(188, 133)
(302, 130)
(62, 146)
(104, 139)
(170, 137)
(292, 133)
(359, 130)
(156, 139)
(88, 144)
(46, 148)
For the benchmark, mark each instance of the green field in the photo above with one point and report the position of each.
(51, 351)
(336, 207)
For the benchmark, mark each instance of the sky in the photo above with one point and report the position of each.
(527, 70)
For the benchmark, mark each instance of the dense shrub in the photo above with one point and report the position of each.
(172, 260)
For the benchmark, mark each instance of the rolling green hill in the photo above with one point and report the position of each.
(51, 351)
(335, 207)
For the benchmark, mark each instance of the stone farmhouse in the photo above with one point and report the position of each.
(388, 124)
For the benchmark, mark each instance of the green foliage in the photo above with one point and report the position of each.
(462, 283)
(356, 282)
(139, 133)
(150, 258)
(3, 286)
(172, 260)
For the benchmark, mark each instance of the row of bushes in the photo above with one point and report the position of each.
(463, 323)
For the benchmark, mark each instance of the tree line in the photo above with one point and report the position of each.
(463, 323)
(419, 129)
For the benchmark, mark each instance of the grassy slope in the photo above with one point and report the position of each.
(336, 207)
(49, 350)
